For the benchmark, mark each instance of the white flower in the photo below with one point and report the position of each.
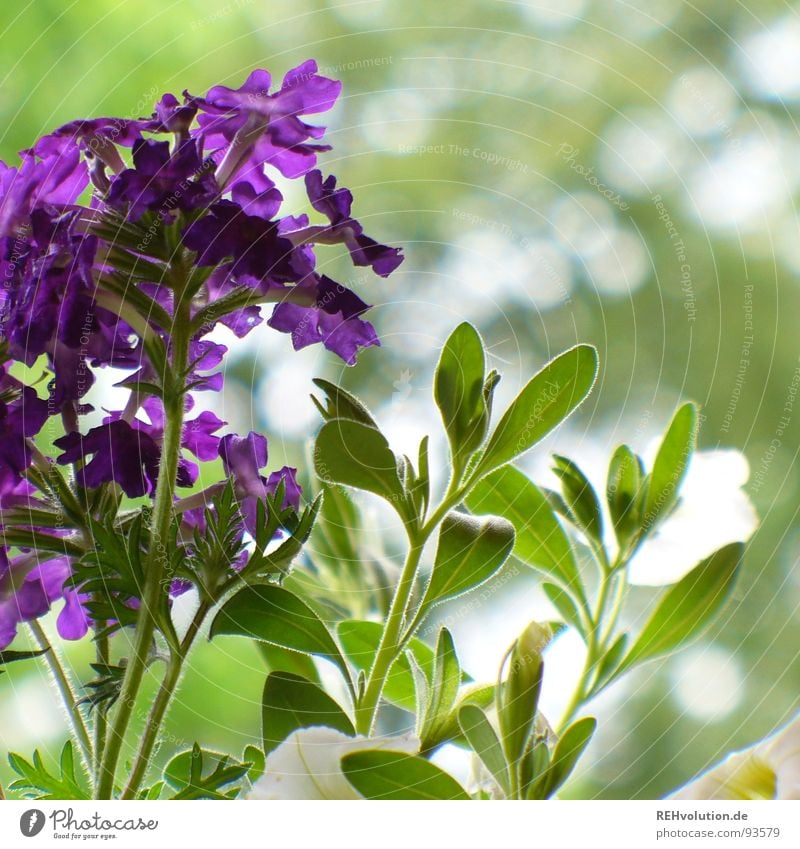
(713, 510)
(307, 765)
(769, 769)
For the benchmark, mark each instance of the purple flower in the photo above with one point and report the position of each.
(97, 136)
(119, 452)
(172, 116)
(57, 180)
(243, 458)
(163, 182)
(335, 205)
(333, 320)
(198, 436)
(266, 128)
(255, 246)
(28, 588)
(188, 228)
(22, 415)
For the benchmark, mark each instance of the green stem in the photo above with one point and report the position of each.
(65, 689)
(161, 704)
(101, 718)
(390, 641)
(156, 561)
(593, 652)
(393, 640)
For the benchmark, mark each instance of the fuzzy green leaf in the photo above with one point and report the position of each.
(548, 398)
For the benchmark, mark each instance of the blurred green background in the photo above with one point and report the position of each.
(612, 172)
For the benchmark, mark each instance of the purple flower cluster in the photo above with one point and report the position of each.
(116, 232)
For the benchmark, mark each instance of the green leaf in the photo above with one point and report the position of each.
(623, 492)
(481, 695)
(279, 659)
(548, 398)
(688, 607)
(540, 540)
(7, 657)
(568, 750)
(105, 688)
(447, 679)
(360, 641)
(670, 465)
(566, 607)
(342, 405)
(519, 697)
(186, 773)
(609, 663)
(580, 497)
(357, 455)
(270, 516)
(113, 573)
(273, 614)
(471, 549)
(458, 388)
(336, 532)
(38, 782)
(290, 702)
(255, 756)
(485, 743)
(379, 774)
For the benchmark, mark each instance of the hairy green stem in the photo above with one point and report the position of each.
(393, 639)
(161, 704)
(156, 562)
(102, 655)
(65, 689)
(390, 641)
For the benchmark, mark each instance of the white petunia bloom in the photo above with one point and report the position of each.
(307, 765)
(769, 769)
(713, 510)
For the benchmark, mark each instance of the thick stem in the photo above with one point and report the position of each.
(393, 639)
(65, 689)
(390, 641)
(156, 564)
(161, 704)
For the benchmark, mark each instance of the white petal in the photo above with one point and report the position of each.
(307, 764)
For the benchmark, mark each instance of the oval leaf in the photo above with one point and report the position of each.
(471, 549)
(570, 747)
(540, 540)
(358, 455)
(290, 702)
(670, 465)
(447, 677)
(688, 607)
(580, 497)
(458, 390)
(394, 775)
(548, 398)
(484, 742)
(622, 492)
(273, 614)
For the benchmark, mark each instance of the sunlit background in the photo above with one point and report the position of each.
(621, 173)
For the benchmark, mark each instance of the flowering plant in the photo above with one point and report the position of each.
(125, 243)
